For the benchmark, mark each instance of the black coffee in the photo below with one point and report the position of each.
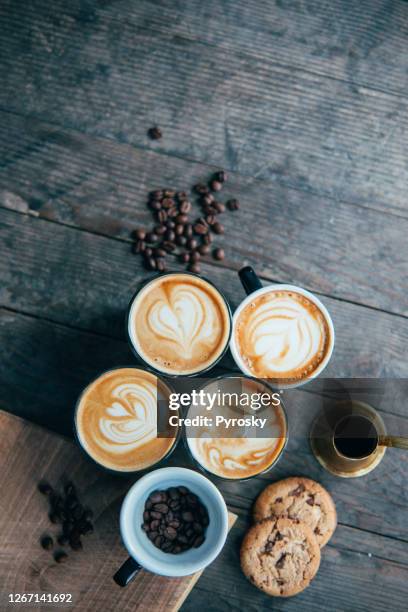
(355, 437)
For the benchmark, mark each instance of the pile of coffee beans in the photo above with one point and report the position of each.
(175, 520)
(65, 509)
(175, 233)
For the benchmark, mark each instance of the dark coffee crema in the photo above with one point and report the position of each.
(179, 324)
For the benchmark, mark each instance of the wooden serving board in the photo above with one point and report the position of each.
(29, 453)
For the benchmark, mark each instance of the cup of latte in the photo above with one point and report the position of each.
(282, 333)
(179, 324)
(245, 432)
(116, 420)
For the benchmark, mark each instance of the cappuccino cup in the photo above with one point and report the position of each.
(282, 333)
(179, 324)
(118, 418)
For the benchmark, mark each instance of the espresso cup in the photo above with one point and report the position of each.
(179, 324)
(239, 451)
(282, 333)
(143, 553)
(121, 420)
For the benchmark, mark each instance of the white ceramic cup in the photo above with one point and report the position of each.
(254, 288)
(143, 553)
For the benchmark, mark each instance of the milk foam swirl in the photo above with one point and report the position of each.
(130, 420)
(186, 318)
(282, 334)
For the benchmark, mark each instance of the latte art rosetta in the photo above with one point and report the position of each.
(282, 334)
(179, 324)
(117, 419)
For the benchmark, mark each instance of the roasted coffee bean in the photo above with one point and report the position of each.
(170, 533)
(207, 239)
(203, 249)
(181, 241)
(62, 539)
(198, 528)
(198, 541)
(169, 193)
(201, 189)
(233, 204)
(161, 264)
(152, 535)
(218, 228)
(172, 213)
(181, 196)
(151, 237)
(155, 515)
(139, 234)
(160, 229)
(188, 230)
(146, 515)
(187, 517)
(139, 246)
(166, 546)
(161, 216)
(168, 246)
(192, 244)
(157, 194)
(162, 508)
(200, 229)
(145, 527)
(190, 533)
(174, 504)
(45, 488)
(158, 252)
(150, 263)
(53, 516)
(155, 205)
(168, 203)
(174, 493)
(159, 541)
(182, 490)
(155, 133)
(170, 235)
(148, 504)
(154, 525)
(185, 257)
(148, 252)
(219, 207)
(170, 224)
(182, 539)
(179, 229)
(181, 219)
(207, 199)
(192, 499)
(211, 219)
(216, 185)
(218, 254)
(195, 256)
(185, 206)
(177, 550)
(75, 544)
(221, 176)
(60, 556)
(174, 523)
(47, 542)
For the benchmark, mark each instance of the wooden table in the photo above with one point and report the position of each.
(305, 104)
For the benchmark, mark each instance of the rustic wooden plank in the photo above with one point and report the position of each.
(353, 557)
(45, 366)
(327, 246)
(116, 78)
(91, 289)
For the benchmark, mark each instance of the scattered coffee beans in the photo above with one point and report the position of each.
(175, 233)
(66, 509)
(175, 520)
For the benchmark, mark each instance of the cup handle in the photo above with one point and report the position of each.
(127, 572)
(249, 279)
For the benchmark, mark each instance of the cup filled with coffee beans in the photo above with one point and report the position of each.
(121, 420)
(173, 522)
(179, 324)
(282, 333)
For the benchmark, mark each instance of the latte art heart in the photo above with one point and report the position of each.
(179, 324)
(116, 419)
(282, 334)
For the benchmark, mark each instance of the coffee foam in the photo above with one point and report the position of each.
(179, 324)
(282, 335)
(238, 457)
(116, 420)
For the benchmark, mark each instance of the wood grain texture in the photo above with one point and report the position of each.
(327, 246)
(115, 78)
(29, 454)
(368, 563)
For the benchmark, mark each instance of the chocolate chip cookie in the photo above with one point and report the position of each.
(299, 498)
(280, 556)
